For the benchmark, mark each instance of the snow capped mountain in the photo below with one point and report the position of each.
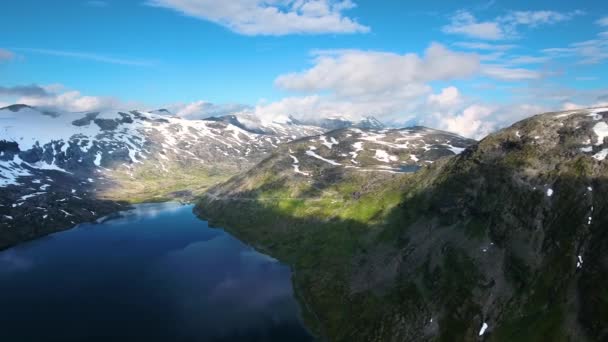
(290, 128)
(78, 160)
(365, 150)
(338, 122)
(73, 142)
(369, 122)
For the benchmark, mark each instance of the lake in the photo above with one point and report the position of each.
(155, 273)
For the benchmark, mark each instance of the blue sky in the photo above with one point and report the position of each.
(468, 66)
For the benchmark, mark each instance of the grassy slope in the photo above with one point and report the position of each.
(312, 233)
(469, 240)
(149, 184)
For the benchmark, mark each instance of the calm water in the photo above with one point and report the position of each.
(155, 273)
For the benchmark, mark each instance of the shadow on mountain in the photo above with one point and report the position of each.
(480, 238)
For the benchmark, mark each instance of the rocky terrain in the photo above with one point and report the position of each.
(504, 241)
(60, 169)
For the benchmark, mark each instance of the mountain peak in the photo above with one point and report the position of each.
(161, 111)
(370, 122)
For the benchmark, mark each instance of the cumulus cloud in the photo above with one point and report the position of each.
(6, 55)
(395, 88)
(271, 17)
(203, 109)
(503, 27)
(56, 97)
(449, 110)
(72, 101)
(448, 98)
(355, 83)
(315, 106)
(370, 73)
(471, 122)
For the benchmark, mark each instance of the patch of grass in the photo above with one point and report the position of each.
(148, 184)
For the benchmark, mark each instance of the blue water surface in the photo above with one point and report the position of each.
(155, 273)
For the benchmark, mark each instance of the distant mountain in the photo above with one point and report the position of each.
(369, 122)
(161, 111)
(59, 168)
(292, 128)
(333, 123)
(504, 241)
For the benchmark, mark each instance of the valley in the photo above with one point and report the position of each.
(392, 234)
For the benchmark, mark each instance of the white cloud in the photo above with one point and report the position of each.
(449, 97)
(6, 55)
(529, 59)
(271, 17)
(72, 101)
(509, 74)
(204, 109)
(394, 88)
(603, 21)
(572, 105)
(471, 122)
(537, 18)
(503, 27)
(471, 118)
(485, 46)
(57, 97)
(592, 51)
(370, 73)
(88, 56)
(464, 23)
(355, 83)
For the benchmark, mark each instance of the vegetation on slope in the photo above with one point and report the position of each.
(508, 234)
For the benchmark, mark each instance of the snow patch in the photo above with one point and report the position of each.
(330, 143)
(595, 114)
(25, 197)
(97, 160)
(483, 329)
(312, 154)
(383, 156)
(601, 130)
(601, 155)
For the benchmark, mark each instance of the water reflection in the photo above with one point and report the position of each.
(156, 274)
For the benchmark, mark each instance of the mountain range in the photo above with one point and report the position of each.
(392, 234)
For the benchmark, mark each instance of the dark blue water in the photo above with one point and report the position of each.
(155, 273)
